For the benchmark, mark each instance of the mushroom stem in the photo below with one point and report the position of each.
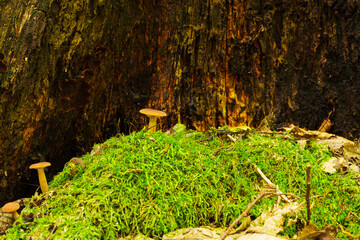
(15, 215)
(152, 115)
(42, 180)
(152, 123)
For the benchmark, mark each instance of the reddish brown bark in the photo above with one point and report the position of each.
(78, 71)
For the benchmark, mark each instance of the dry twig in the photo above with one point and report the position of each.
(231, 138)
(217, 151)
(347, 233)
(167, 149)
(270, 183)
(246, 212)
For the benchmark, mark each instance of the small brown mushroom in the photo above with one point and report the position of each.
(153, 115)
(11, 207)
(42, 178)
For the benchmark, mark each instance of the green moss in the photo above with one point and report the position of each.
(157, 183)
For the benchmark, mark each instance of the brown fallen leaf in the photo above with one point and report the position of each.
(312, 232)
(325, 126)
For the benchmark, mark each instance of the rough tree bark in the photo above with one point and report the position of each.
(78, 71)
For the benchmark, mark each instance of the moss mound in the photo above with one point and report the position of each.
(156, 183)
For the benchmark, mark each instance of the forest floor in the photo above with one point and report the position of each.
(153, 184)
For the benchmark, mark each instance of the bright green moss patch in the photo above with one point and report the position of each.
(157, 183)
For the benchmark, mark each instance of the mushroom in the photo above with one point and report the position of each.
(11, 207)
(42, 178)
(153, 115)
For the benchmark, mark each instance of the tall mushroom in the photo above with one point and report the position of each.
(153, 115)
(11, 207)
(42, 178)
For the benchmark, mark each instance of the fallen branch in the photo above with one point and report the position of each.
(231, 137)
(167, 149)
(270, 183)
(217, 151)
(246, 212)
(347, 233)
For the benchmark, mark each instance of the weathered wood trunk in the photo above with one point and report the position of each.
(78, 71)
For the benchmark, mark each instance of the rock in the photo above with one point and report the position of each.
(271, 222)
(137, 237)
(193, 233)
(302, 143)
(6, 220)
(334, 164)
(335, 145)
(355, 169)
(208, 233)
(96, 150)
(352, 157)
(257, 236)
(265, 227)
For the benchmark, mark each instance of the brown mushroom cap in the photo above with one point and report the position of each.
(10, 207)
(39, 165)
(153, 112)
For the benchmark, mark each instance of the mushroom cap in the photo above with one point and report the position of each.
(10, 207)
(39, 165)
(153, 112)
